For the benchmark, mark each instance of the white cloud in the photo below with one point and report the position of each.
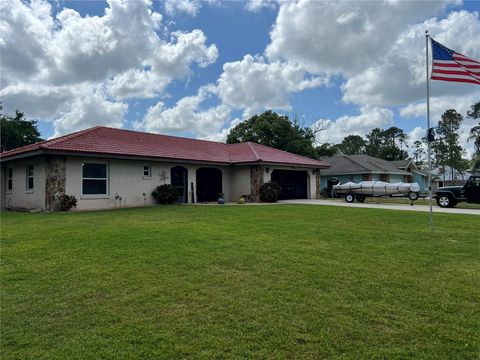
(171, 61)
(368, 119)
(222, 135)
(52, 63)
(253, 84)
(344, 37)
(90, 109)
(187, 116)
(257, 5)
(399, 76)
(36, 101)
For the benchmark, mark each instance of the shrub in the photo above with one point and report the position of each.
(270, 192)
(66, 202)
(165, 194)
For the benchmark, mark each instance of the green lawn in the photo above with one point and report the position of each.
(286, 281)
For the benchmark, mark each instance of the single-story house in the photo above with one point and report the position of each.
(416, 175)
(358, 168)
(106, 167)
(447, 177)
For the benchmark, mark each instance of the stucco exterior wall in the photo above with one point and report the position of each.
(240, 182)
(19, 196)
(125, 178)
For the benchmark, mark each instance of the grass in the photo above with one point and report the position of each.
(287, 281)
(406, 201)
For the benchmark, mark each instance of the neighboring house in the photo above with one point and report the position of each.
(420, 177)
(444, 177)
(105, 168)
(358, 168)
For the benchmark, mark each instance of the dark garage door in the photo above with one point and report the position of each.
(209, 184)
(292, 182)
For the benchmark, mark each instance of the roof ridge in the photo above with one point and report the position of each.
(156, 134)
(349, 157)
(254, 152)
(59, 139)
(283, 151)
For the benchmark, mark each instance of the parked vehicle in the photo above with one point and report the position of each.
(449, 196)
(359, 191)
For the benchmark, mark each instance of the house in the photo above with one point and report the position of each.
(105, 168)
(358, 168)
(416, 175)
(447, 177)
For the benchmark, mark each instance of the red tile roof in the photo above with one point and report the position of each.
(109, 141)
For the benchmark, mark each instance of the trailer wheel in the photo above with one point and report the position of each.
(413, 195)
(360, 198)
(349, 198)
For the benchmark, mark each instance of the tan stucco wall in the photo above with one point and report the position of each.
(241, 184)
(126, 179)
(19, 196)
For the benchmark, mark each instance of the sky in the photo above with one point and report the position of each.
(197, 68)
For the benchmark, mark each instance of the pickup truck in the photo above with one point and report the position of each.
(449, 196)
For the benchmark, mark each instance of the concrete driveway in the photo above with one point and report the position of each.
(403, 207)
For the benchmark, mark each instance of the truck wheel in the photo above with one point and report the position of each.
(360, 198)
(445, 201)
(413, 196)
(349, 198)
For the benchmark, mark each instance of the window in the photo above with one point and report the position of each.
(94, 179)
(30, 177)
(9, 179)
(146, 171)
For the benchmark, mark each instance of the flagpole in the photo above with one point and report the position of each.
(428, 133)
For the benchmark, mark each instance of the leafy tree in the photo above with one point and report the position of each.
(419, 153)
(326, 150)
(447, 149)
(475, 135)
(353, 144)
(17, 131)
(389, 144)
(277, 131)
(374, 142)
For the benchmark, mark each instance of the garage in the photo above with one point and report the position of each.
(292, 182)
(209, 184)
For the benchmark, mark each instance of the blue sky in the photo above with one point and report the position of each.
(195, 68)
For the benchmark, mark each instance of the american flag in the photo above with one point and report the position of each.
(449, 65)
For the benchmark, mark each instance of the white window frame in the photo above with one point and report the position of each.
(149, 176)
(9, 180)
(28, 176)
(107, 179)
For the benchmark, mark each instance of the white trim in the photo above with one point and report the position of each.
(29, 190)
(107, 180)
(149, 176)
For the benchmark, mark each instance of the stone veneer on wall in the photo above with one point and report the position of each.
(256, 180)
(55, 181)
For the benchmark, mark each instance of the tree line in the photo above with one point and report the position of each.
(278, 131)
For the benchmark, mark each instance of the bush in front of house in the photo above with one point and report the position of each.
(270, 192)
(165, 194)
(66, 202)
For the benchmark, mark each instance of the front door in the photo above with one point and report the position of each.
(209, 184)
(178, 176)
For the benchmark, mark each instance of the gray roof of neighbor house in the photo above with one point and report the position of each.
(360, 164)
(402, 164)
